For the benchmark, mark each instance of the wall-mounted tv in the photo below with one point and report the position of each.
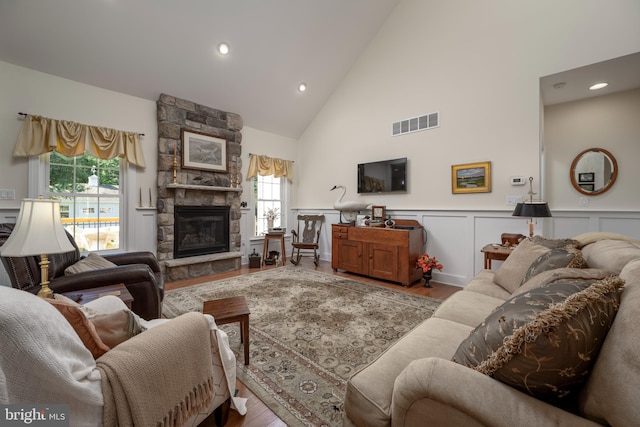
(386, 176)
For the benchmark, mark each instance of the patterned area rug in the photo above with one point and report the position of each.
(309, 332)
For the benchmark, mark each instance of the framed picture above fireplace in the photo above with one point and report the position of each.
(203, 152)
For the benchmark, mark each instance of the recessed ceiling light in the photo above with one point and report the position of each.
(302, 87)
(598, 86)
(223, 48)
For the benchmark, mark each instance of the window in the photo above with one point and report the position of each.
(269, 193)
(89, 192)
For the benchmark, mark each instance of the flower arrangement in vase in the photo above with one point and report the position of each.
(271, 214)
(427, 263)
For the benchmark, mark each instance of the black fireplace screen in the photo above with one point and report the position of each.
(200, 230)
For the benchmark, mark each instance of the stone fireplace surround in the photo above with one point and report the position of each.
(175, 114)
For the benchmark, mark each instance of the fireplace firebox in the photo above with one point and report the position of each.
(200, 230)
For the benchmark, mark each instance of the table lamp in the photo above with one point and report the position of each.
(532, 208)
(38, 231)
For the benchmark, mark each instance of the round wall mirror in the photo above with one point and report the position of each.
(593, 171)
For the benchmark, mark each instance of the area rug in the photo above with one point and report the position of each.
(309, 332)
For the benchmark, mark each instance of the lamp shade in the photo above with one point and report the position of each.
(38, 231)
(532, 210)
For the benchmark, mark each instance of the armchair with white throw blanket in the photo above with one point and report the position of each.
(176, 372)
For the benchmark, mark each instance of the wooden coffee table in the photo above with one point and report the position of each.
(229, 310)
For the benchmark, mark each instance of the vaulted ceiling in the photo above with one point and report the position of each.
(148, 47)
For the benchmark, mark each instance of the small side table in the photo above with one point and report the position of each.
(88, 295)
(491, 252)
(230, 310)
(265, 248)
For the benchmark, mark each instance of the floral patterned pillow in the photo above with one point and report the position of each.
(528, 252)
(544, 342)
(569, 257)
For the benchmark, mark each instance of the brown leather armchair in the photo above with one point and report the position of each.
(138, 271)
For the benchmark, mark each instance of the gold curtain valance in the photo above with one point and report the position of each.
(265, 165)
(40, 135)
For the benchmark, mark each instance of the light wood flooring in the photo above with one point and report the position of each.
(258, 414)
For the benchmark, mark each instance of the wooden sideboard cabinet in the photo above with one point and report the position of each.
(384, 253)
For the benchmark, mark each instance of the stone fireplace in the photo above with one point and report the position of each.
(208, 240)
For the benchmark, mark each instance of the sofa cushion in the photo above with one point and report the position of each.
(561, 274)
(610, 254)
(367, 399)
(512, 271)
(483, 283)
(468, 308)
(93, 261)
(610, 395)
(593, 236)
(545, 341)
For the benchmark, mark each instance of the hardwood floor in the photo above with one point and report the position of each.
(258, 414)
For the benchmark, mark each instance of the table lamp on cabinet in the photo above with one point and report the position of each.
(38, 231)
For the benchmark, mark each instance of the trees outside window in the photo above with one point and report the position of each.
(90, 193)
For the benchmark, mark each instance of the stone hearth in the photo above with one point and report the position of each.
(175, 114)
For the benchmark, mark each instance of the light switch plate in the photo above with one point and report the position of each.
(513, 200)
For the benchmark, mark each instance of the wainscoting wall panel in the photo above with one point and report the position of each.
(456, 237)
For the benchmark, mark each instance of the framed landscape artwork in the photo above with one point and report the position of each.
(204, 152)
(471, 178)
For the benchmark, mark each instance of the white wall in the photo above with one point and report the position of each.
(476, 62)
(255, 141)
(609, 122)
(29, 91)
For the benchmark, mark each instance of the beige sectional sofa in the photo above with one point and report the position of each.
(416, 383)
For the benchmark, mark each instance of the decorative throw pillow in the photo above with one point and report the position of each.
(116, 327)
(514, 268)
(544, 342)
(83, 327)
(93, 261)
(562, 274)
(556, 258)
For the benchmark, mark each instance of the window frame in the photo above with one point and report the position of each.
(39, 186)
(284, 204)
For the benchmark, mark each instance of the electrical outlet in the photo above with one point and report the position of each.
(513, 200)
(584, 201)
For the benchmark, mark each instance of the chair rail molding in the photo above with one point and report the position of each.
(456, 237)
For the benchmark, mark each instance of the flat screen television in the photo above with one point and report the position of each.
(386, 176)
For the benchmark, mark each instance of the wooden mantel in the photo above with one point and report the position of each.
(203, 187)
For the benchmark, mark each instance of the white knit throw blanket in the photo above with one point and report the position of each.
(160, 377)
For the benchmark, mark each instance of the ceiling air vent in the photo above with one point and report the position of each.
(415, 124)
